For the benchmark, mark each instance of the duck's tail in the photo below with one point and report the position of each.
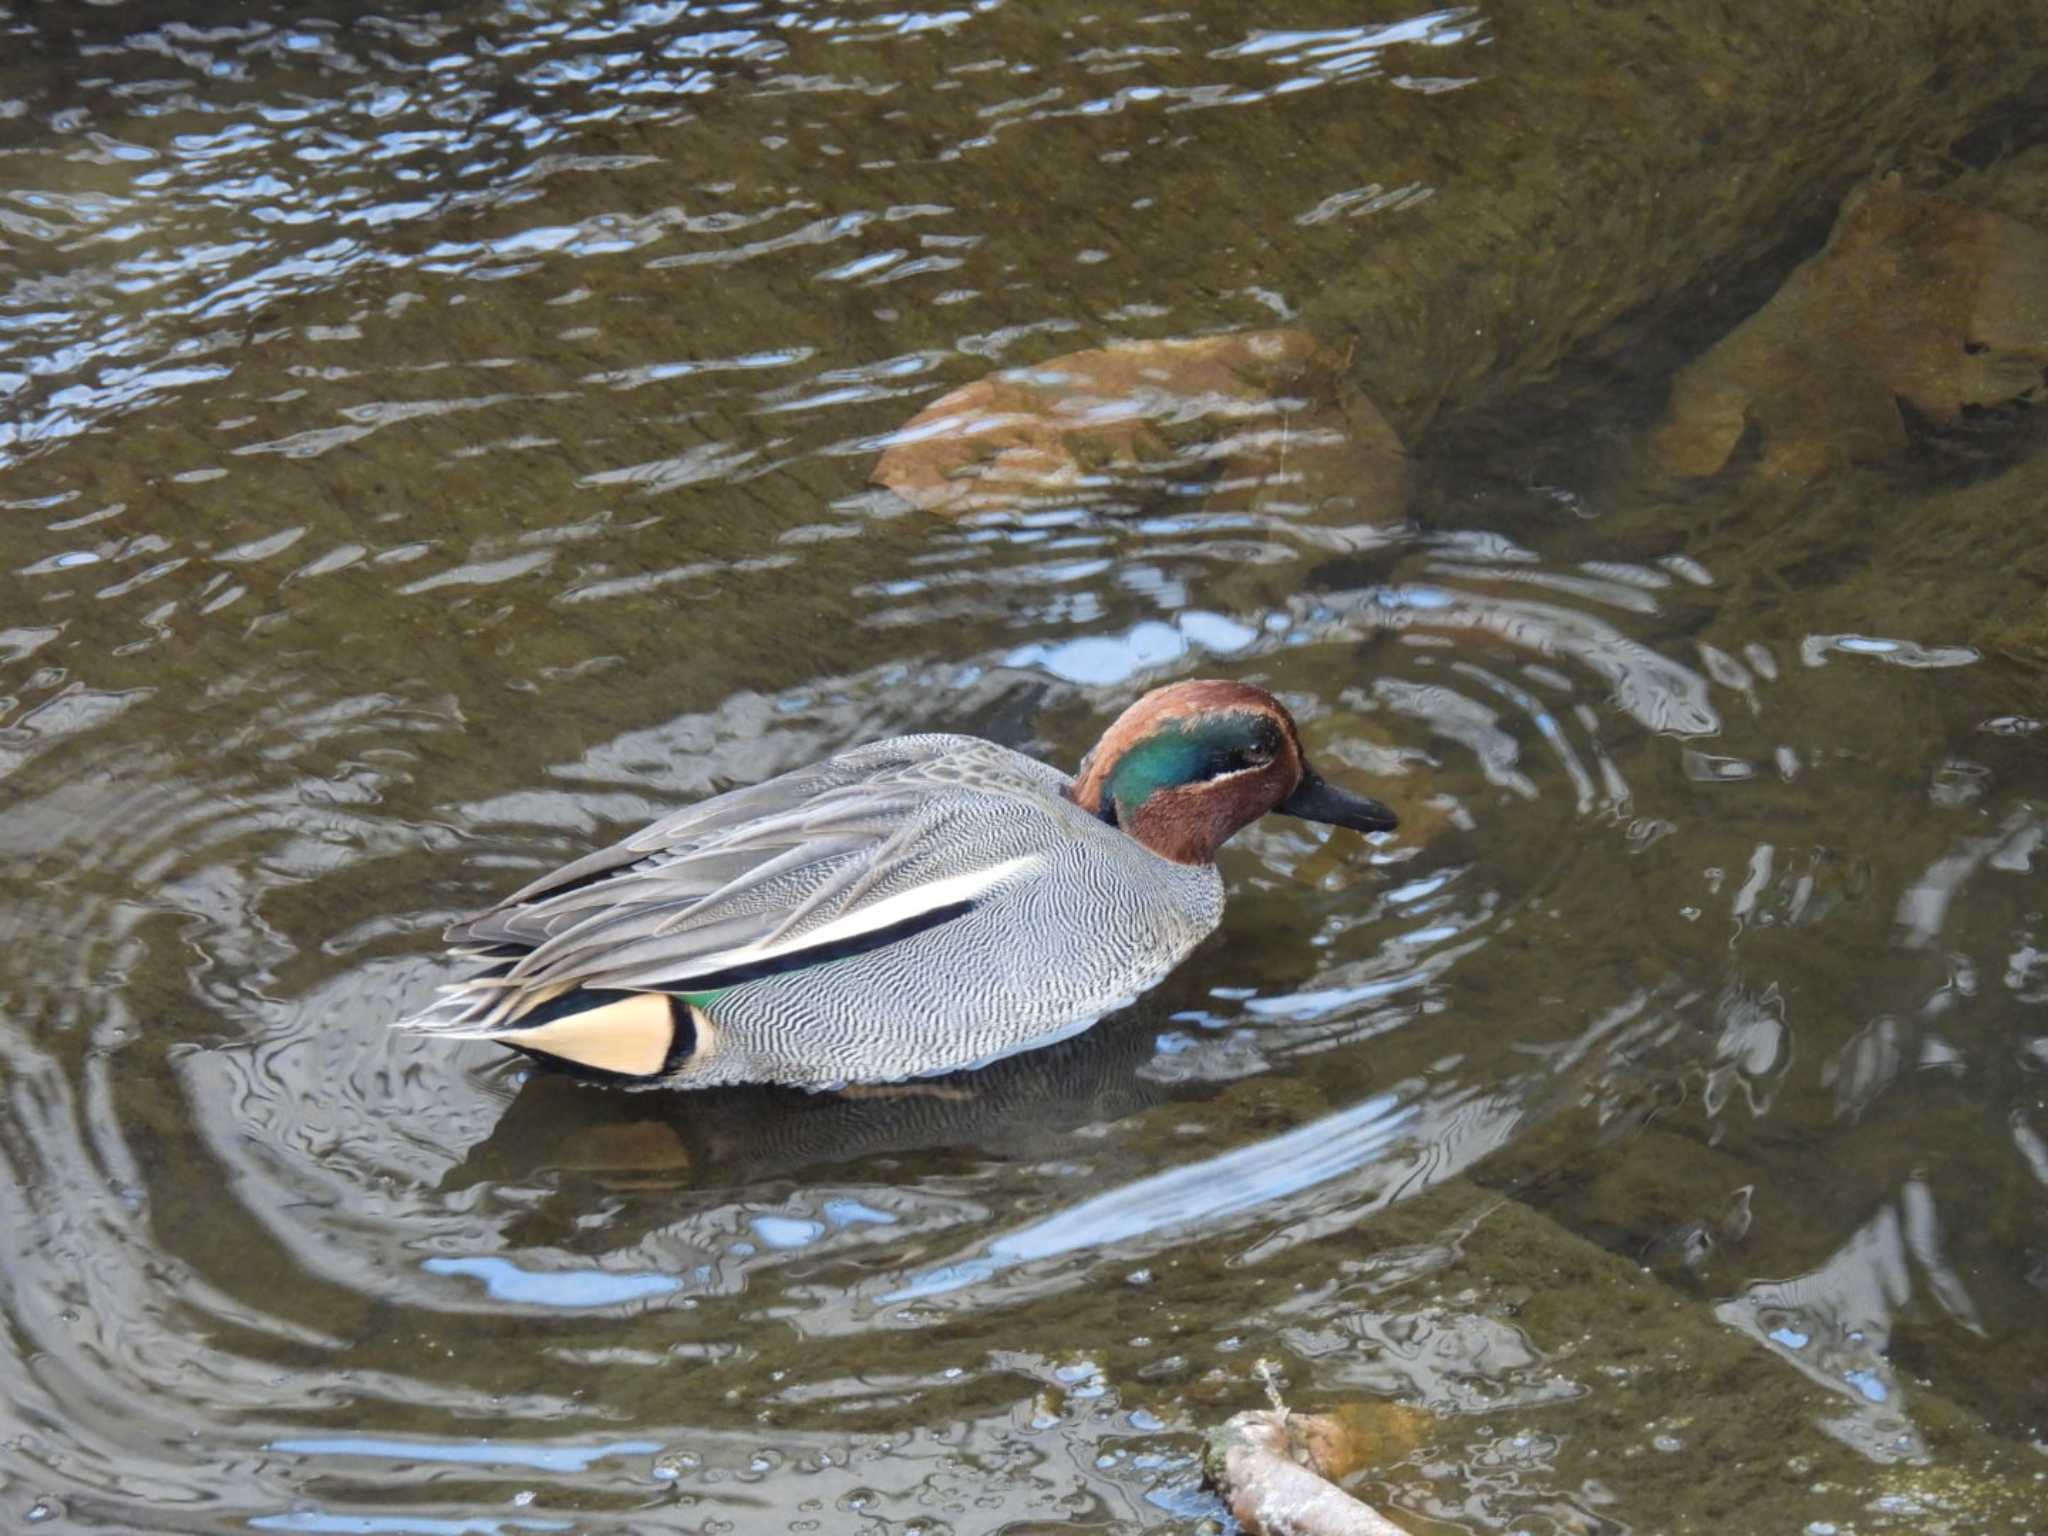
(622, 1034)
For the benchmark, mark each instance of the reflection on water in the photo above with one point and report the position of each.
(437, 441)
(1210, 1193)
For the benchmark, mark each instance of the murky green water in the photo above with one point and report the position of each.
(437, 440)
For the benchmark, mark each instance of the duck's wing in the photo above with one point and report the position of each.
(860, 850)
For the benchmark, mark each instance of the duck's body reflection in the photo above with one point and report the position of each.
(561, 1132)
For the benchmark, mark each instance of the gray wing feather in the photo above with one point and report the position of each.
(756, 868)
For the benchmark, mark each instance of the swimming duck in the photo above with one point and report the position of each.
(918, 905)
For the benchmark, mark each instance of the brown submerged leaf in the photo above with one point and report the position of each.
(1916, 299)
(1291, 426)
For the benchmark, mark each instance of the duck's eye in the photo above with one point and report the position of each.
(1245, 748)
(1239, 761)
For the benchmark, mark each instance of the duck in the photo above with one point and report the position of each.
(916, 906)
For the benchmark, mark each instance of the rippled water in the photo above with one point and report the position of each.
(436, 441)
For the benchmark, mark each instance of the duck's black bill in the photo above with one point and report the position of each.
(1317, 799)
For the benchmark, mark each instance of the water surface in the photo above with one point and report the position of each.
(438, 440)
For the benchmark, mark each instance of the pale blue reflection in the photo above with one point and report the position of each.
(1201, 1193)
(1326, 1000)
(1103, 660)
(1347, 53)
(787, 1231)
(1815, 649)
(1416, 890)
(1413, 597)
(489, 1453)
(506, 1281)
(784, 1232)
(410, 1525)
(851, 1213)
(1436, 27)
(1868, 1384)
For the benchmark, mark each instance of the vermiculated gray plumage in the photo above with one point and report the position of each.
(809, 877)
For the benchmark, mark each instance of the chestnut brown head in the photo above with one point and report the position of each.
(1191, 764)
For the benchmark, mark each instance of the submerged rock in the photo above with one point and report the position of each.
(1273, 410)
(1917, 300)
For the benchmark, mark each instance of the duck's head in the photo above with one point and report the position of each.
(1190, 764)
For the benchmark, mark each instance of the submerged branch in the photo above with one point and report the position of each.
(1251, 1461)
